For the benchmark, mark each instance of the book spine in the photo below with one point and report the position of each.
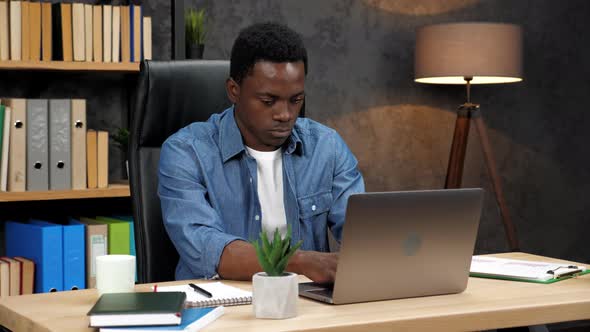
(78, 32)
(66, 26)
(35, 31)
(4, 35)
(17, 160)
(46, 32)
(15, 30)
(88, 28)
(97, 32)
(107, 33)
(37, 152)
(78, 146)
(59, 143)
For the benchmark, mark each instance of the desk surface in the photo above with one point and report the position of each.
(486, 304)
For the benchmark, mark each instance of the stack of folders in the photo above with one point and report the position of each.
(42, 31)
(149, 312)
(523, 270)
(45, 145)
(63, 250)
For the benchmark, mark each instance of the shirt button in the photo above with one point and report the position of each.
(257, 217)
(250, 180)
(313, 207)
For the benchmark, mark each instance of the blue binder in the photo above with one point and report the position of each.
(43, 245)
(74, 258)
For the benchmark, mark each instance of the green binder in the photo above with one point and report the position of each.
(118, 237)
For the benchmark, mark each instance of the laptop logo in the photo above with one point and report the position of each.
(412, 244)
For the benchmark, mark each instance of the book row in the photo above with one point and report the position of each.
(45, 145)
(64, 254)
(34, 31)
(16, 276)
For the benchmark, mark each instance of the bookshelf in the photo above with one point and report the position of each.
(70, 66)
(113, 190)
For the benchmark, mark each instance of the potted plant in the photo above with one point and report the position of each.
(275, 291)
(194, 23)
(121, 138)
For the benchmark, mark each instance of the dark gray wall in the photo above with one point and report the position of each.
(361, 83)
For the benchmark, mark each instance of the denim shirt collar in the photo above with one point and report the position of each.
(231, 142)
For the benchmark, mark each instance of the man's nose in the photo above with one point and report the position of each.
(282, 112)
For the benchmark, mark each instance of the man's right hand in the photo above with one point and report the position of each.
(320, 267)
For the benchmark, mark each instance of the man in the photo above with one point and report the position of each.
(257, 166)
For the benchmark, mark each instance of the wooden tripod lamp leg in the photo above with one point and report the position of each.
(496, 183)
(458, 147)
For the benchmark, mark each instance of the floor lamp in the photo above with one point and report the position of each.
(471, 53)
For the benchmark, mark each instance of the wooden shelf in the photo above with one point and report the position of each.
(114, 190)
(70, 66)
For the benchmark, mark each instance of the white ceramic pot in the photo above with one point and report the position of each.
(275, 297)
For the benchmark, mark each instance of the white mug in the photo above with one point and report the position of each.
(115, 274)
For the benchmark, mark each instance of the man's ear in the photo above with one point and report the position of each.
(233, 90)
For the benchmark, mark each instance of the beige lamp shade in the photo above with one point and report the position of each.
(486, 52)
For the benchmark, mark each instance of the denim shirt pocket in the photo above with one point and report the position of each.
(315, 204)
(313, 218)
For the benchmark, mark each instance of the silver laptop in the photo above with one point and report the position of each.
(403, 244)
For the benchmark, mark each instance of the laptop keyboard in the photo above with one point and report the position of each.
(320, 289)
(323, 292)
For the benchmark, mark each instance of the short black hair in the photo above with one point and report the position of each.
(268, 41)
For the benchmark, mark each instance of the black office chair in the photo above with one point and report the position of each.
(169, 96)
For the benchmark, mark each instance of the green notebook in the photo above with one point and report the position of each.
(524, 270)
(137, 309)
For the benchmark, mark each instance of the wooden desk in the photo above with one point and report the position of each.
(486, 304)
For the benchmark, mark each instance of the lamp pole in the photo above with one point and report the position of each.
(466, 113)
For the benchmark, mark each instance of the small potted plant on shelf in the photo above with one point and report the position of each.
(275, 291)
(121, 138)
(194, 23)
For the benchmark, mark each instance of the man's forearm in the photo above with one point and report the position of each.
(239, 262)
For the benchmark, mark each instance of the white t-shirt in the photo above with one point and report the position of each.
(270, 190)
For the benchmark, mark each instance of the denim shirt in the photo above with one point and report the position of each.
(208, 189)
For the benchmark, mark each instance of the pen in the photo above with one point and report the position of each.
(200, 290)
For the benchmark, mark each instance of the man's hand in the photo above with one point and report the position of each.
(320, 267)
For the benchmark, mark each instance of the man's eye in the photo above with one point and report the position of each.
(297, 101)
(268, 102)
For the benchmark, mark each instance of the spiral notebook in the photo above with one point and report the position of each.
(222, 295)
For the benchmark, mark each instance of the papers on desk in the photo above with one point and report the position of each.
(521, 270)
(222, 294)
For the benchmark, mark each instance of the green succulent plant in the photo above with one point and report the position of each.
(194, 23)
(274, 256)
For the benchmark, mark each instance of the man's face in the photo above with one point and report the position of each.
(268, 102)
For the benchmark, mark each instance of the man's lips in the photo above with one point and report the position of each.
(281, 132)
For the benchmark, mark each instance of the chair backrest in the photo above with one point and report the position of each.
(169, 96)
